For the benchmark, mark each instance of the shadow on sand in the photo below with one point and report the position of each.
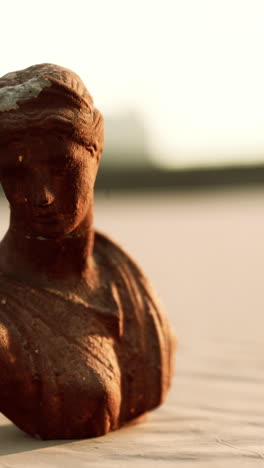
(13, 440)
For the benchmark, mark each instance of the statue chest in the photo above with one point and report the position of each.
(54, 345)
(58, 361)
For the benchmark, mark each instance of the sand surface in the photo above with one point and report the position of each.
(204, 253)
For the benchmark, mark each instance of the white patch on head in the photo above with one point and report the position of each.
(24, 91)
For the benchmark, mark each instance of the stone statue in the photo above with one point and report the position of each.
(84, 346)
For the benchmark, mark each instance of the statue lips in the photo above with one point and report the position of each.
(46, 218)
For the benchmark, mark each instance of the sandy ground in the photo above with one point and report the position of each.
(204, 254)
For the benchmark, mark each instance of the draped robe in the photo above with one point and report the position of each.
(73, 369)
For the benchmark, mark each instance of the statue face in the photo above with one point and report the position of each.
(48, 181)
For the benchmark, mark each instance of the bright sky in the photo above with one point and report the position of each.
(194, 69)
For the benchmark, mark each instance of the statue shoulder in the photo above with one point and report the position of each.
(134, 288)
(116, 257)
(146, 331)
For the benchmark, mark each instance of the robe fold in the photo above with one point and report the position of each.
(74, 369)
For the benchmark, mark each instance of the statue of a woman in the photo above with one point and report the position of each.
(84, 346)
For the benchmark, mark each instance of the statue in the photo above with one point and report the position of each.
(84, 346)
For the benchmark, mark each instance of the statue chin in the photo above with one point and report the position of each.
(83, 351)
(52, 230)
(47, 231)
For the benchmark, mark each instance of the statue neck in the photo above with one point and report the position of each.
(45, 261)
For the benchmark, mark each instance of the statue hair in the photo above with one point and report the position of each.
(50, 98)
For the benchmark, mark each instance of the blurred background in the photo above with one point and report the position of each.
(181, 86)
(180, 83)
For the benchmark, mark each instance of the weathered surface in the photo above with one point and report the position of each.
(10, 96)
(84, 346)
(74, 369)
(214, 414)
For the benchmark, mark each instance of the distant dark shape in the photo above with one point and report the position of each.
(84, 346)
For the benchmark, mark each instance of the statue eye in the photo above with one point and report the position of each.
(12, 172)
(58, 170)
(59, 166)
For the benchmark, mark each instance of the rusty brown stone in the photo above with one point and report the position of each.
(84, 345)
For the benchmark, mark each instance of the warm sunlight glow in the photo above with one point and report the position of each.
(193, 69)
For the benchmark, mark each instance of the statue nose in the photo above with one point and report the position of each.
(40, 196)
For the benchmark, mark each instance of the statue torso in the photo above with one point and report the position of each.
(69, 366)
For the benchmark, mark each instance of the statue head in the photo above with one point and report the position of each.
(51, 140)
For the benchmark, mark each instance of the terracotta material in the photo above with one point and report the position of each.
(84, 346)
